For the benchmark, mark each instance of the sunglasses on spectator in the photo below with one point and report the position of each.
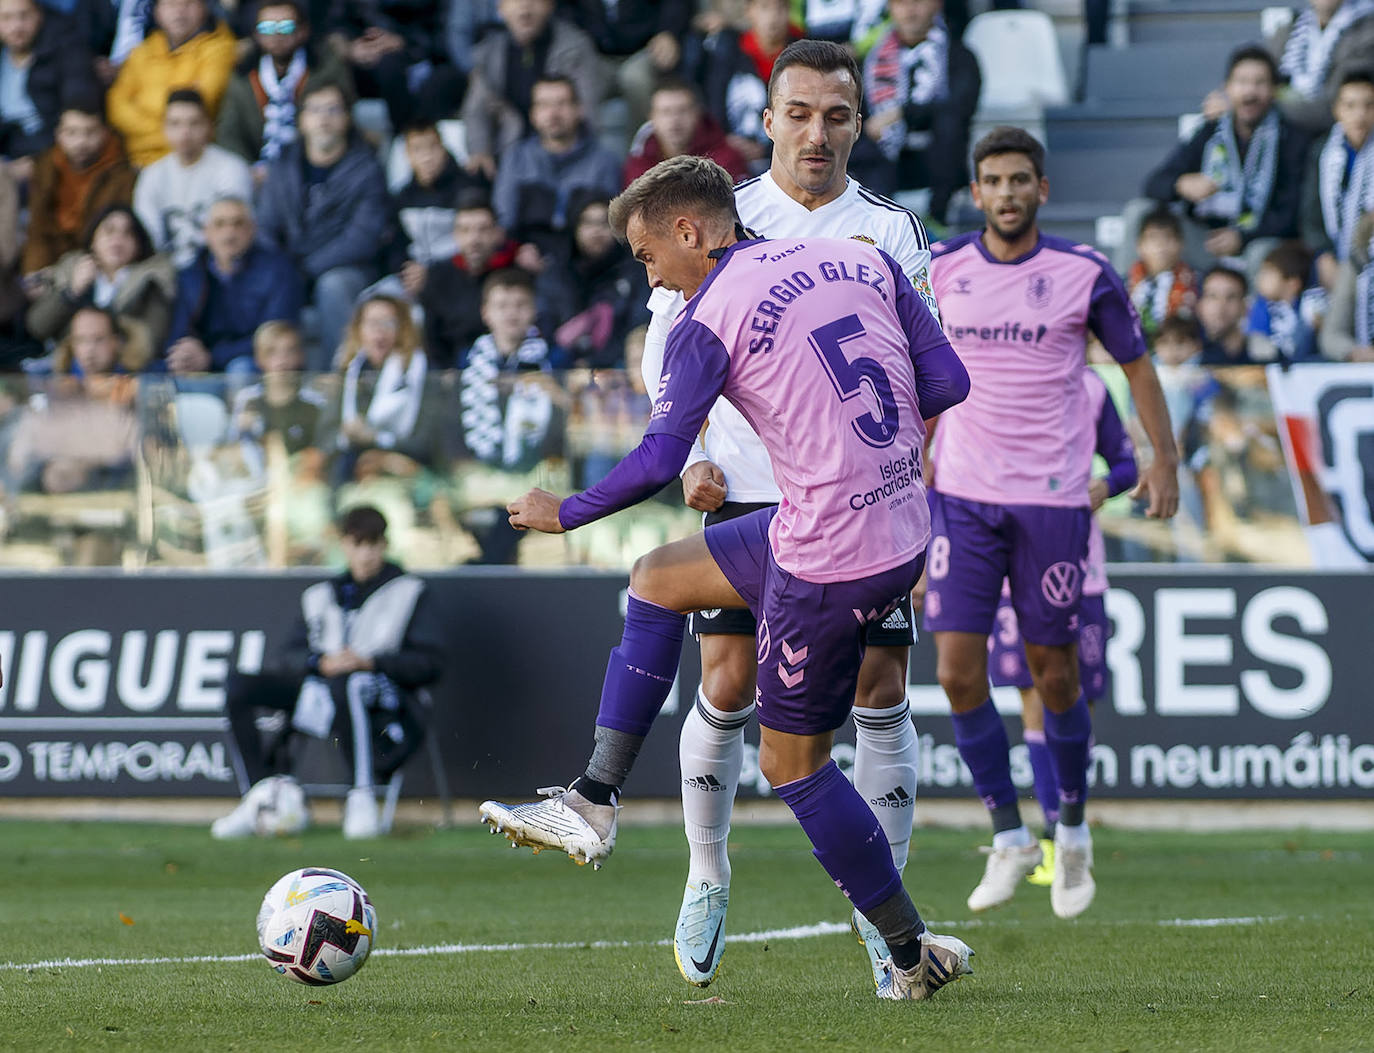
(282, 28)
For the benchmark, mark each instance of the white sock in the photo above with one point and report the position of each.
(885, 757)
(1018, 838)
(711, 752)
(1073, 836)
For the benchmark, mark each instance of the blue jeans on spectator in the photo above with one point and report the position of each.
(334, 294)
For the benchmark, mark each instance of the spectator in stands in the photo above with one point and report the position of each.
(1340, 177)
(82, 174)
(464, 25)
(229, 289)
(605, 293)
(1178, 361)
(452, 291)
(278, 404)
(922, 85)
(42, 61)
(1347, 333)
(100, 343)
(15, 292)
(1160, 283)
(324, 204)
(1221, 309)
(257, 119)
(1316, 50)
(530, 44)
(538, 175)
(679, 124)
(424, 209)
(643, 38)
(736, 72)
(1240, 175)
(189, 49)
(174, 193)
(365, 641)
(395, 49)
(857, 23)
(115, 269)
(512, 340)
(387, 422)
(1281, 326)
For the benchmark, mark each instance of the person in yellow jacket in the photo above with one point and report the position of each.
(189, 49)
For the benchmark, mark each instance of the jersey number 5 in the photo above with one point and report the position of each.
(851, 378)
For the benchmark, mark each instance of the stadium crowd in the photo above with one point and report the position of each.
(408, 199)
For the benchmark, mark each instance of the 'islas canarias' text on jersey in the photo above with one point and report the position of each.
(814, 342)
(766, 208)
(1021, 328)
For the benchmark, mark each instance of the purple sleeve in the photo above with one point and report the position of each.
(695, 366)
(1115, 446)
(1113, 317)
(644, 471)
(941, 379)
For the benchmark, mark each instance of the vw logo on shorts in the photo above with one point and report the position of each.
(1060, 584)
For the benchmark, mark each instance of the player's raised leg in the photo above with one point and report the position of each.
(581, 819)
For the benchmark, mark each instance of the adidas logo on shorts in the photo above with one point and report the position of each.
(897, 798)
(896, 620)
(705, 783)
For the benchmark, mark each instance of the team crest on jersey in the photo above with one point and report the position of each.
(864, 238)
(1039, 290)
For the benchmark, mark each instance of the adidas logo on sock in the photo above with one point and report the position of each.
(705, 783)
(897, 798)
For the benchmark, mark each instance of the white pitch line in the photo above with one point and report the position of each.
(798, 932)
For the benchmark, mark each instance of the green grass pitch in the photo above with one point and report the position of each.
(1244, 941)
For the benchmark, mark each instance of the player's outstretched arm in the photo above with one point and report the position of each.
(1159, 483)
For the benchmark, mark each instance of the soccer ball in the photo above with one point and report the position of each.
(316, 926)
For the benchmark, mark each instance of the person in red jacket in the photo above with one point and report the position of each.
(679, 124)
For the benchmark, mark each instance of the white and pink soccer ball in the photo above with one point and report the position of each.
(316, 926)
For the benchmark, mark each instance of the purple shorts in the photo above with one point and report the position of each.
(1007, 657)
(974, 546)
(811, 637)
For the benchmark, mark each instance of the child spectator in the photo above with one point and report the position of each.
(173, 194)
(82, 174)
(258, 117)
(1178, 361)
(382, 408)
(1281, 323)
(117, 270)
(424, 209)
(512, 341)
(1221, 310)
(1340, 177)
(1161, 285)
(278, 404)
(189, 49)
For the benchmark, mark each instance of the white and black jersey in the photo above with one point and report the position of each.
(767, 210)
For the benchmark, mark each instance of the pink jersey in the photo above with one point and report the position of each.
(1020, 328)
(814, 342)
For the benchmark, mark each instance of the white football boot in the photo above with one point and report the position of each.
(564, 820)
(247, 818)
(1073, 887)
(1005, 870)
(873, 943)
(944, 959)
(360, 819)
(699, 940)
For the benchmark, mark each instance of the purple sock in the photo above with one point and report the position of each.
(640, 672)
(982, 741)
(1067, 737)
(845, 835)
(1042, 767)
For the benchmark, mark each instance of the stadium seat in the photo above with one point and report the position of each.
(1018, 54)
(202, 420)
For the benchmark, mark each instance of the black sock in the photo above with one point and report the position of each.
(596, 792)
(901, 925)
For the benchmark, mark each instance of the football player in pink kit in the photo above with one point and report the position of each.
(1006, 651)
(1011, 497)
(830, 354)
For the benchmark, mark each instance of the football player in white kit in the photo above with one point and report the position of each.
(813, 118)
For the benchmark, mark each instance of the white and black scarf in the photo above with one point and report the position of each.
(496, 434)
(1344, 200)
(900, 75)
(1364, 302)
(396, 397)
(1244, 187)
(1307, 53)
(279, 111)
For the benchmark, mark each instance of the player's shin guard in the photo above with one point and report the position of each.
(711, 755)
(1068, 736)
(982, 741)
(886, 753)
(1042, 768)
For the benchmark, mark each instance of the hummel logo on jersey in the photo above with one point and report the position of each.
(705, 783)
(897, 798)
(962, 285)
